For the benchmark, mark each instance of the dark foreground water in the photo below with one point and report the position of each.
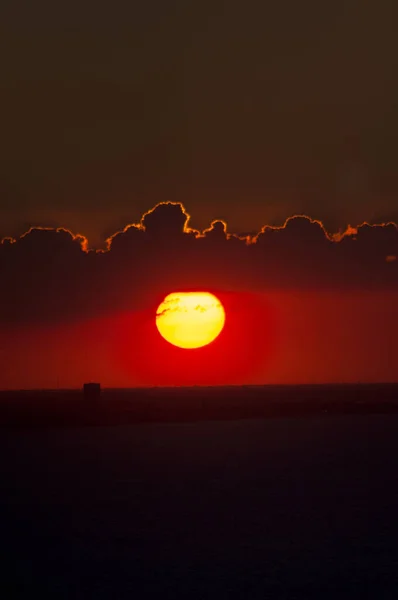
(279, 508)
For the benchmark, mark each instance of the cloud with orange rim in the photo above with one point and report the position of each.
(53, 275)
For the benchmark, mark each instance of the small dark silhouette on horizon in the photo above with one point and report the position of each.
(92, 391)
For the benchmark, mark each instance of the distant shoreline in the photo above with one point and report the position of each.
(34, 409)
(215, 388)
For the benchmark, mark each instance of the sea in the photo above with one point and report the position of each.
(268, 508)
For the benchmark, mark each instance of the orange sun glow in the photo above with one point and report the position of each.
(190, 319)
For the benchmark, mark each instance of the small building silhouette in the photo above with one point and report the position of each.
(92, 391)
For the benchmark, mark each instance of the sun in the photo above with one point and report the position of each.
(190, 319)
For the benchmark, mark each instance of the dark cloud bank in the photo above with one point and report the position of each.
(50, 275)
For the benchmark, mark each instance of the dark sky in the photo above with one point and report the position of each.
(247, 111)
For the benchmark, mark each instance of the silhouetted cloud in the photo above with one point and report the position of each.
(51, 275)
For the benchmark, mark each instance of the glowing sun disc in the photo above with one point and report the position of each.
(190, 319)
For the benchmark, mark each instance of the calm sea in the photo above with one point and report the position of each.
(280, 508)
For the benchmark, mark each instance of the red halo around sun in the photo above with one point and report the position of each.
(238, 354)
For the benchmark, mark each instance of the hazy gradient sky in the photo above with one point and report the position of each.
(248, 111)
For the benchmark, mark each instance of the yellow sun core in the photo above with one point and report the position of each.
(190, 319)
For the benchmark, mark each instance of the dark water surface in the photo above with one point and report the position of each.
(278, 508)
